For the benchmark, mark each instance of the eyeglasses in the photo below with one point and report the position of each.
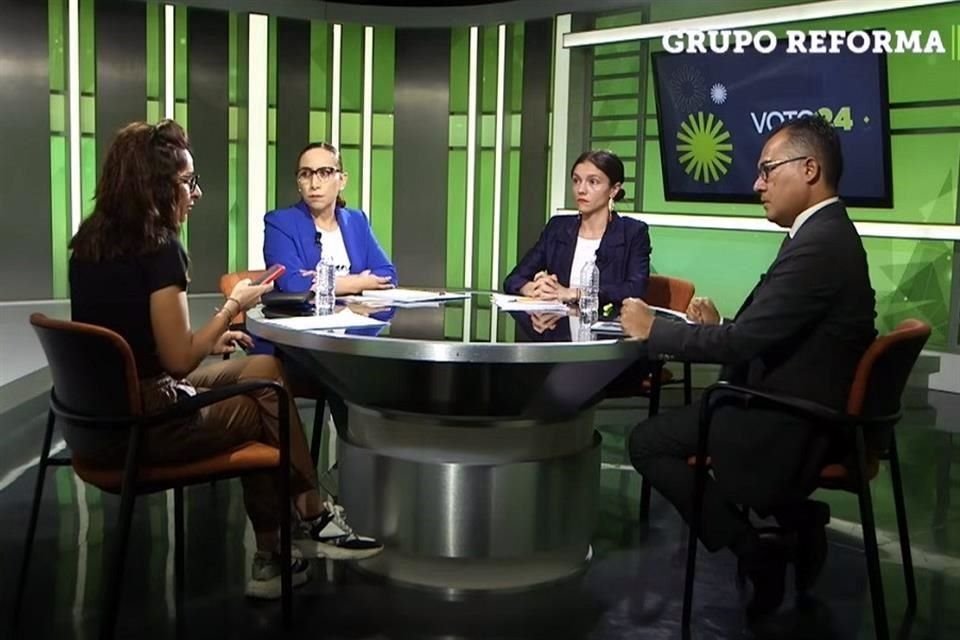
(192, 181)
(764, 168)
(306, 174)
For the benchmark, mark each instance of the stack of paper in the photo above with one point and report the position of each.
(523, 303)
(412, 295)
(345, 319)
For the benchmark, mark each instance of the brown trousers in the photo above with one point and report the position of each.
(219, 427)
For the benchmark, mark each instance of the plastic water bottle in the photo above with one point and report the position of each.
(324, 287)
(589, 288)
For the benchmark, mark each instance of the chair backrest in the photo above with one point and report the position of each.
(93, 369)
(883, 370)
(669, 293)
(229, 280)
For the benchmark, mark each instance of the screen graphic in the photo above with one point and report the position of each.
(715, 111)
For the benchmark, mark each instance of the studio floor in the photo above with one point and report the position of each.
(632, 588)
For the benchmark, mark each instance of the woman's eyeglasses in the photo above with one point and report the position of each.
(306, 174)
(192, 181)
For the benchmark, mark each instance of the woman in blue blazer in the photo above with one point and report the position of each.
(321, 222)
(620, 246)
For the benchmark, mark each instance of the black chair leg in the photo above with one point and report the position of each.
(653, 409)
(902, 530)
(644, 500)
(128, 497)
(317, 436)
(687, 383)
(112, 590)
(286, 573)
(870, 541)
(179, 558)
(694, 534)
(34, 516)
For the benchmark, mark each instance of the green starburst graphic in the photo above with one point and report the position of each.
(704, 147)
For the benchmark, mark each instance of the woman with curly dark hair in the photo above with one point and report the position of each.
(129, 273)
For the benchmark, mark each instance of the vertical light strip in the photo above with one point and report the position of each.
(257, 137)
(335, 87)
(561, 100)
(73, 97)
(471, 155)
(366, 143)
(471, 174)
(498, 154)
(168, 42)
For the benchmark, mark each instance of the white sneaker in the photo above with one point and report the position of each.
(264, 580)
(329, 536)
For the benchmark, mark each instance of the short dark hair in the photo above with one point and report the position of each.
(609, 163)
(813, 134)
(326, 146)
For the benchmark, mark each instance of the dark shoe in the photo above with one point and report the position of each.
(765, 566)
(811, 556)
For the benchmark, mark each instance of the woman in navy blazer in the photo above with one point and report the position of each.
(551, 269)
(294, 236)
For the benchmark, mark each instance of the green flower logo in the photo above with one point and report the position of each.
(704, 147)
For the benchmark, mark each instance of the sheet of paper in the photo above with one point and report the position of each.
(520, 303)
(345, 319)
(413, 295)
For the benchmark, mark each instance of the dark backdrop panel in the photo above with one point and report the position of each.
(26, 269)
(207, 113)
(421, 148)
(534, 134)
(293, 103)
(121, 57)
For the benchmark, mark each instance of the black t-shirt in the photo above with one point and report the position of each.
(116, 294)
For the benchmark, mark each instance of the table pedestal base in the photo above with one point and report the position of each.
(471, 503)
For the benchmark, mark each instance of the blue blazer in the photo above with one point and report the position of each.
(289, 239)
(623, 257)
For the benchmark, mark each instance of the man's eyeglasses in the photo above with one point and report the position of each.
(764, 168)
(306, 174)
(192, 181)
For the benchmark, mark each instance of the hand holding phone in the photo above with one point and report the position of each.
(269, 275)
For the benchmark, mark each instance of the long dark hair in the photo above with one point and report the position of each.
(139, 199)
(609, 163)
(326, 146)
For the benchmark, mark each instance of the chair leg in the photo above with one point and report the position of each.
(687, 383)
(902, 530)
(286, 573)
(870, 540)
(34, 516)
(644, 500)
(652, 410)
(179, 557)
(694, 535)
(317, 436)
(112, 590)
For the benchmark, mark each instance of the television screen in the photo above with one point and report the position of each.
(715, 112)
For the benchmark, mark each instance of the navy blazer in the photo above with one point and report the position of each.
(289, 238)
(623, 257)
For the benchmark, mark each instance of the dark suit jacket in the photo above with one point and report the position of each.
(804, 326)
(623, 257)
(801, 331)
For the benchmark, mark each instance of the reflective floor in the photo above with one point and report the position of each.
(632, 588)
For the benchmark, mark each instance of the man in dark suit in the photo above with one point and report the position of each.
(801, 331)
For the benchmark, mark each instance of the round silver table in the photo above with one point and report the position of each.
(470, 449)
